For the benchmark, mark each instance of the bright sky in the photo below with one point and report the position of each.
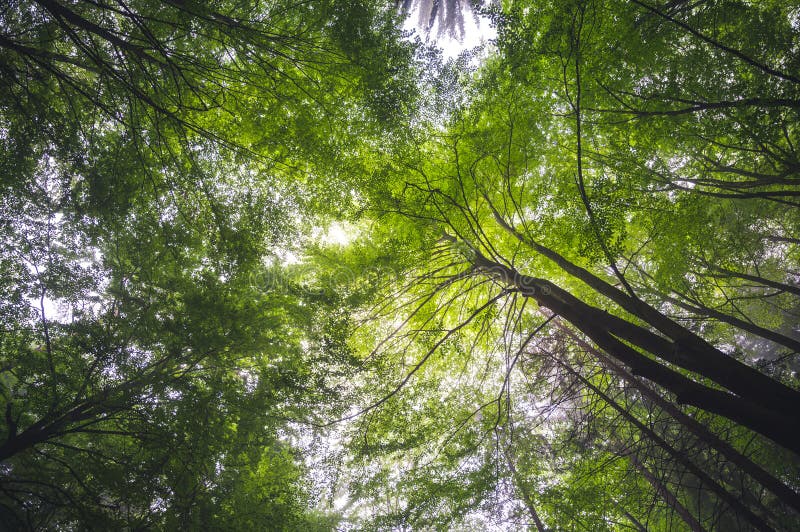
(474, 34)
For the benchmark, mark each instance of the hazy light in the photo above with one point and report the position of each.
(475, 33)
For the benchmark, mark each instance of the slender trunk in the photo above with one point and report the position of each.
(704, 106)
(698, 308)
(665, 493)
(523, 490)
(724, 272)
(778, 488)
(787, 239)
(716, 44)
(686, 350)
(579, 155)
(639, 526)
(679, 456)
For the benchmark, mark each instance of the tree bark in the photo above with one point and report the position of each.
(773, 484)
(780, 424)
(686, 349)
(679, 456)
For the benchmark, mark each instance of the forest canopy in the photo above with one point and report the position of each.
(284, 266)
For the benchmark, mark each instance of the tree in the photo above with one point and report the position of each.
(152, 158)
(584, 180)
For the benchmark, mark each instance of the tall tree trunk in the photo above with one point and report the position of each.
(730, 499)
(687, 349)
(778, 488)
(778, 422)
